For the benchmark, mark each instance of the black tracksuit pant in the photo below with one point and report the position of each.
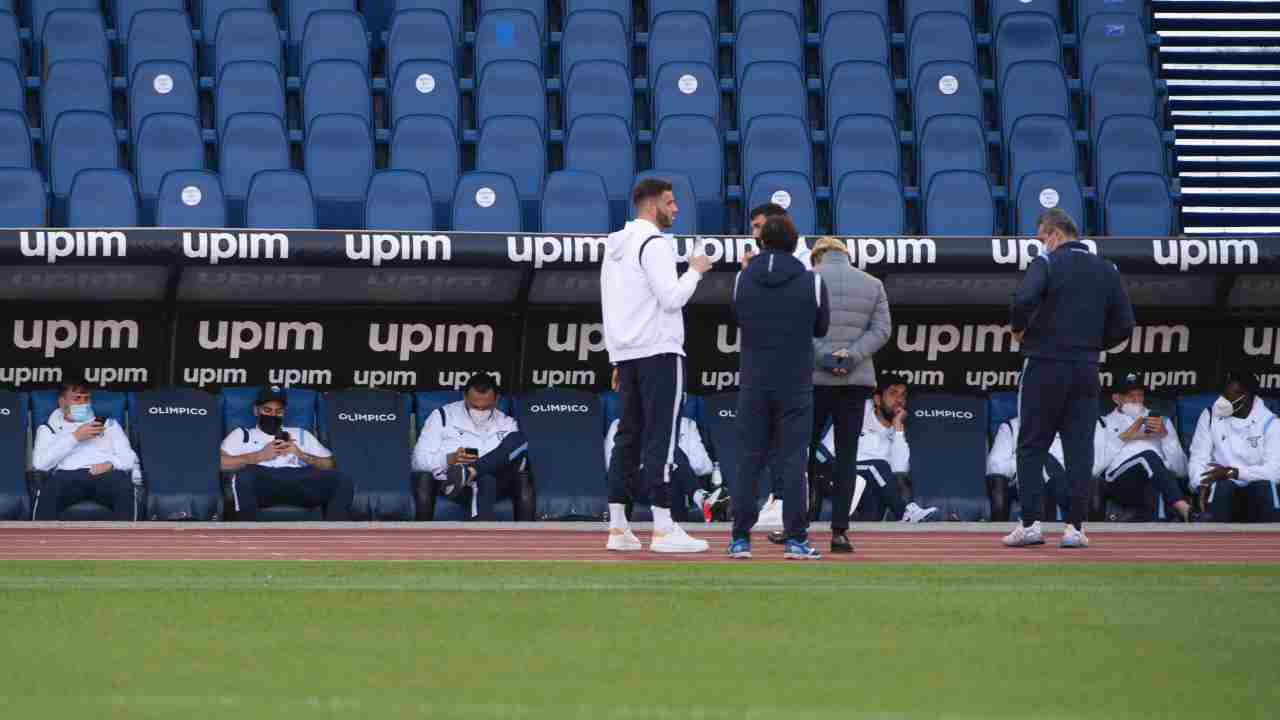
(883, 489)
(64, 488)
(845, 405)
(776, 422)
(650, 392)
(496, 474)
(1255, 502)
(1131, 484)
(256, 486)
(1056, 397)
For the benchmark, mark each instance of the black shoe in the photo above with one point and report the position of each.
(840, 543)
(777, 538)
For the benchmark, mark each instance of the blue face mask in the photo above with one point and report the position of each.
(81, 413)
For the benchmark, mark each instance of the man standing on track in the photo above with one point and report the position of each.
(642, 300)
(1071, 306)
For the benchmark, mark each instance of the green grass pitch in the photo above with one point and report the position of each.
(560, 640)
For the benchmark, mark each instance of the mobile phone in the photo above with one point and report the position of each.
(100, 420)
(471, 451)
(283, 436)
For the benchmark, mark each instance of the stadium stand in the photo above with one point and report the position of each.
(336, 87)
(486, 202)
(575, 202)
(451, 9)
(15, 141)
(74, 35)
(869, 203)
(537, 9)
(161, 87)
(940, 37)
(508, 35)
(81, 140)
(338, 156)
(246, 34)
(248, 86)
(594, 35)
(424, 87)
(863, 143)
(853, 37)
(693, 144)
(191, 198)
(178, 453)
(398, 200)
(159, 35)
(166, 142)
(12, 90)
(420, 35)
(603, 144)
(1041, 191)
(599, 87)
(334, 35)
(685, 88)
(23, 202)
(1025, 36)
(792, 191)
(959, 202)
(299, 13)
(570, 482)
(102, 198)
(249, 144)
(1137, 204)
(511, 88)
(368, 433)
(679, 36)
(11, 49)
(512, 145)
(280, 199)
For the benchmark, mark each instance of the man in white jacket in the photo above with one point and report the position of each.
(694, 471)
(641, 300)
(1236, 454)
(1002, 472)
(87, 457)
(1136, 451)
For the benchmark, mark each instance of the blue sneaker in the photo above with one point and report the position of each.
(801, 551)
(740, 549)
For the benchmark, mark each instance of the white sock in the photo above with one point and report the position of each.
(617, 516)
(662, 520)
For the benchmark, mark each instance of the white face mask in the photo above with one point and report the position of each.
(479, 417)
(1133, 410)
(1224, 408)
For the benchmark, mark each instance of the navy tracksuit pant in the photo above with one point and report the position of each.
(496, 474)
(1056, 397)
(778, 424)
(1255, 502)
(650, 392)
(1133, 481)
(256, 486)
(683, 484)
(64, 488)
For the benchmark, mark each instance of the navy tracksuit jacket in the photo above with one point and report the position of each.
(780, 307)
(1072, 305)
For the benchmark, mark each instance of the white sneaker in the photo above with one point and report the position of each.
(915, 514)
(676, 541)
(770, 515)
(1073, 538)
(623, 540)
(1024, 536)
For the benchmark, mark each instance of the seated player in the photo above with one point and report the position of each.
(1137, 453)
(1002, 473)
(475, 452)
(1235, 454)
(87, 457)
(278, 465)
(695, 475)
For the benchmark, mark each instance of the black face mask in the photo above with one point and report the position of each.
(270, 424)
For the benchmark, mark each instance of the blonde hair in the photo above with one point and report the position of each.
(826, 243)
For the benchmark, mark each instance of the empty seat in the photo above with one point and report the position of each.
(74, 35)
(338, 156)
(507, 35)
(950, 142)
(511, 88)
(708, 9)
(74, 85)
(102, 198)
(767, 36)
(513, 145)
(39, 11)
(212, 12)
(159, 35)
(686, 220)
(1042, 191)
(775, 143)
(940, 37)
(248, 86)
(772, 88)
(424, 87)
(248, 144)
(1126, 143)
(1026, 36)
(1108, 38)
(1086, 9)
(860, 88)
(998, 9)
(792, 191)
(1120, 89)
(486, 202)
(946, 88)
(420, 35)
(603, 144)
(10, 41)
(191, 198)
(594, 35)
(22, 199)
(598, 87)
(428, 144)
(334, 35)
(1039, 143)
(15, 140)
(161, 87)
(575, 203)
(827, 8)
(681, 37)
(12, 88)
(336, 87)
(298, 13)
(247, 35)
(853, 37)
(452, 10)
(959, 203)
(1033, 87)
(127, 10)
(692, 144)
(869, 203)
(685, 88)
(398, 200)
(792, 8)
(862, 143)
(280, 199)
(81, 140)
(166, 142)
(537, 9)
(1138, 205)
(914, 9)
(621, 7)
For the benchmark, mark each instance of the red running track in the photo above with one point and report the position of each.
(139, 543)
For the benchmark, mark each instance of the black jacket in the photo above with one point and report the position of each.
(1072, 305)
(780, 308)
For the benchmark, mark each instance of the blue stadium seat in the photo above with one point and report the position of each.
(603, 144)
(15, 503)
(827, 8)
(280, 199)
(1126, 143)
(334, 35)
(860, 88)
(15, 140)
(74, 35)
(598, 87)
(161, 86)
(940, 37)
(22, 199)
(708, 9)
(166, 142)
(998, 9)
(429, 144)
(249, 144)
(685, 88)
(102, 198)
(915, 8)
(511, 88)
(853, 37)
(179, 452)
(692, 144)
(338, 156)
(421, 35)
(594, 35)
(772, 88)
(247, 35)
(686, 221)
(792, 8)
(373, 453)
(399, 200)
(39, 11)
(1086, 9)
(1026, 36)
(513, 145)
(452, 10)
(537, 9)
(191, 198)
(127, 10)
(1039, 143)
(575, 203)
(74, 85)
(621, 7)
(424, 87)
(159, 35)
(949, 453)
(863, 143)
(775, 143)
(1041, 191)
(486, 202)
(767, 36)
(950, 142)
(793, 191)
(112, 405)
(298, 12)
(1108, 38)
(1137, 205)
(1121, 89)
(946, 88)
(1189, 409)
(248, 86)
(211, 13)
(237, 408)
(1033, 87)
(507, 35)
(869, 203)
(681, 37)
(12, 88)
(959, 203)
(336, 87)
(81, 140)
(570, 482)
(11, 49)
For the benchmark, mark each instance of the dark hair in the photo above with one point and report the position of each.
(768, 210)
(649, 188)
(1058, 219)
(886, 379)
(481, 382)
(74, 382)
(1246, 379)
(778, 233)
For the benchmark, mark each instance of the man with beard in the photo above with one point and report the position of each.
(1235, 454)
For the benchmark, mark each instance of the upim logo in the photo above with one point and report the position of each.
(55, 335)
(457, 379)
(722, 340)
(720, 380)
(54, 244)
(367, 417)
(19, 376)
(984, 379)
(1154, 339)
(110, 376)
(940, 339)
(410, 339)
(585, 339)
(200, 377)
(1262, 342)
(891, 251)
(1157, 379)
(1187, 254)
(383, 247)
(1008, 251)
(560, 378)
(545, 249)
(293, 377)
(717, 250)
(384, 378)
(177, 411)
(240, 336)
(219, 246)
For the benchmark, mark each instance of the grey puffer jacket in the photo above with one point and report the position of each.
(860, 321)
